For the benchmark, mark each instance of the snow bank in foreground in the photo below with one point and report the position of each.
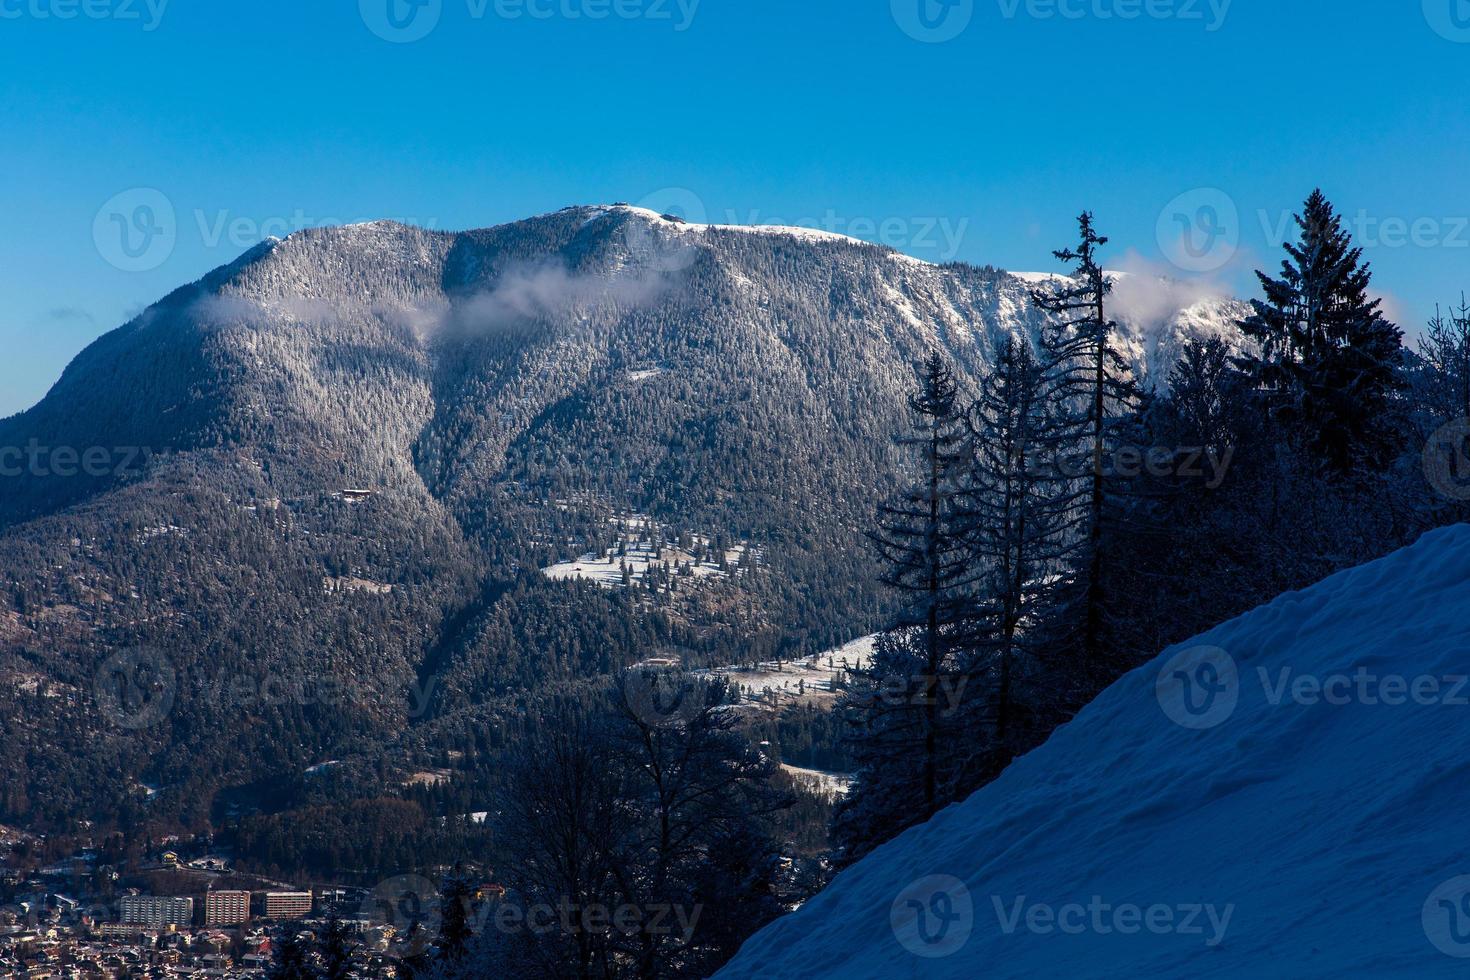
(1284, 796)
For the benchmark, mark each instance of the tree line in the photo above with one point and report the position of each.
(1064, 524)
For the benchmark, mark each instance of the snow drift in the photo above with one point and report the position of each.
(1284, 795)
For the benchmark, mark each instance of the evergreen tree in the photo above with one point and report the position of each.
(1445, 354)
(902, 735)
(1327, 361)
(291, 957)
(1203, 397)
(454, 918)
(1097, 402)
(336, 950)
(1016, 530)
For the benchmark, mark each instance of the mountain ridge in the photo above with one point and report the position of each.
(446, 413)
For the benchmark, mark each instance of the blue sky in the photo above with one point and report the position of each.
(144, 142)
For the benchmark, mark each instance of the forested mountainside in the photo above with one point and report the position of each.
(298, 512)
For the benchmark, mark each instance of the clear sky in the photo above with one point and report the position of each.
(143, 142)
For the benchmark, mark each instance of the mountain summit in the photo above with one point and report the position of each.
(351, 452)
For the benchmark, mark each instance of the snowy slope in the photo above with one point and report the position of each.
(1283, 830)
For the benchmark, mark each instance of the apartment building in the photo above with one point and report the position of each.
(287, 905)
(156, 911)
(226, 908)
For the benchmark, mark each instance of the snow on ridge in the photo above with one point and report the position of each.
(798, 232)
(1114, 275)
(1262, 831)
(1038, 277)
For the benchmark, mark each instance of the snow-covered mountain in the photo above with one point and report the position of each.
(345, 452)
(1282, 796)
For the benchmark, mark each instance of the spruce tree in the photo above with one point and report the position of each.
(454, 918)
(1097, 402)
(1327, 360)
(336, 949)
(1016, 539)
(291, 957)
(1444, 351)
(902, 733)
